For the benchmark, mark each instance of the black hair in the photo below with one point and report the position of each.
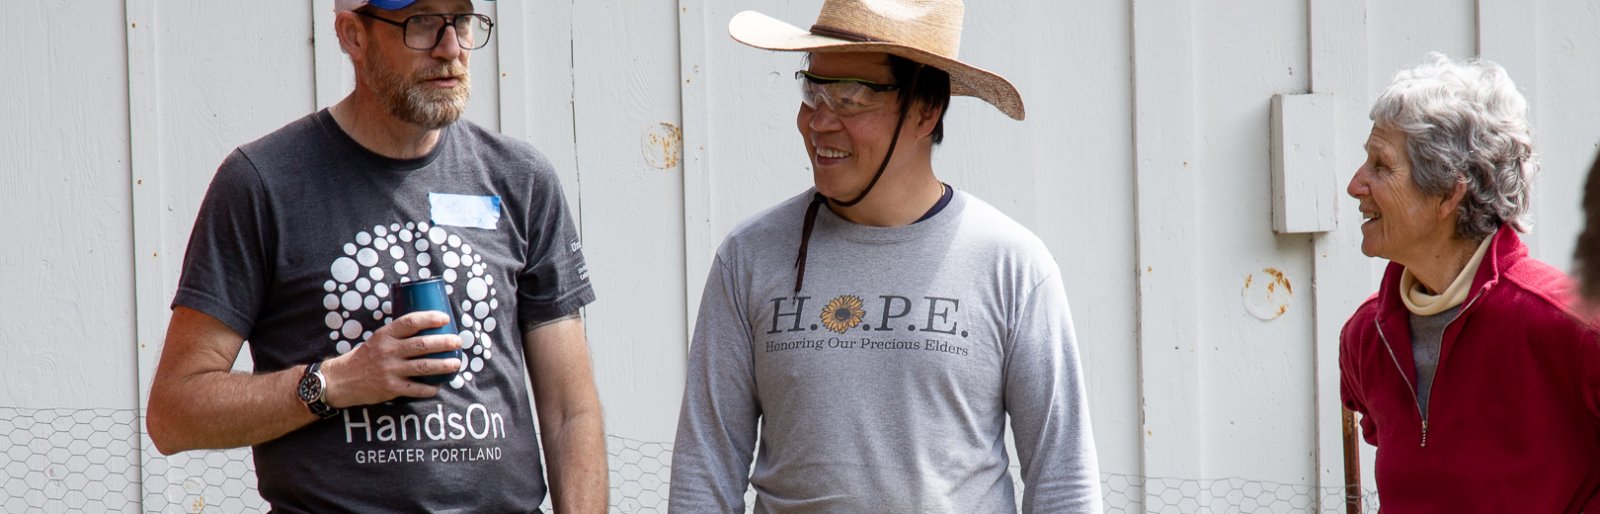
(932, 88)
(1588, 250)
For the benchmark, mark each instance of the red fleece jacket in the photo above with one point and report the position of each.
(1513, 421)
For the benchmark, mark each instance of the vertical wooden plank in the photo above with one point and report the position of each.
(1567, 137)
(1078, 162)
(144, 140)
(1504, 36)
(1165, 180)
(511, 28)
(755, 159)
(627, 98)
(144, 136)
(334, 76)
(627, 106)
(699, 241)
(535, 40)
(1400, 34)
(1248, 275)
(1339, 63)
(66, 246)
(486, 104)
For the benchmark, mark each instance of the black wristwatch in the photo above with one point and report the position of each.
(313, 391)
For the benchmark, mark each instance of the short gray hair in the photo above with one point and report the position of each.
(1465, 123)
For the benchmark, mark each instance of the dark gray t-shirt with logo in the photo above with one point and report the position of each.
(299, 244)
(885, 384)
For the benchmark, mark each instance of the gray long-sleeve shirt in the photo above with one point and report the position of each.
(884, 385)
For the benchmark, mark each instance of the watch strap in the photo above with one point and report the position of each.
(317, 404)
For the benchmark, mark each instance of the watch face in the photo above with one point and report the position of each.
(310, 389)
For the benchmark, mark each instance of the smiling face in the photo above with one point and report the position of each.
(845, 151)
(428, 88)
(1402, 222)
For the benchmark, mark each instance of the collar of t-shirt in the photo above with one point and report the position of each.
(375, 159)
(1419, 302)
(944, 200)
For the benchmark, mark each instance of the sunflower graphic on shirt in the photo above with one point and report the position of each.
(842, 313)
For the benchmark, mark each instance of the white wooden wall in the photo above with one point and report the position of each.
(1144, 164)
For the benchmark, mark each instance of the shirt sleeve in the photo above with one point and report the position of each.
(228, 263)
(1350, 384)
(1049, 406)
(1588, 363)
(717, 426)
(554, 282)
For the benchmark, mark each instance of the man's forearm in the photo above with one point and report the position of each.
(576, 449)
(221, 409)
(570, 420)
(197, 401)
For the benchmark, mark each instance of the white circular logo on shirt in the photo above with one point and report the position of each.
(358, 299)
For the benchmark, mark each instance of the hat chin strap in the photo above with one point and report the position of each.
(905, 108)
(881, 167)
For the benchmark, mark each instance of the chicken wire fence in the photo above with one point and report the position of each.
(89, 460)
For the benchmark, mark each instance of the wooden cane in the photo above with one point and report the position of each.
(1352, 465)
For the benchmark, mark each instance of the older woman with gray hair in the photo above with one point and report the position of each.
(1475, 377)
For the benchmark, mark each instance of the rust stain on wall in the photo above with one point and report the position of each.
(663, 146)
(1270, 299)
(1278, 278)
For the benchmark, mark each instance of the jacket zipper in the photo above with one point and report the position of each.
(1396, 360)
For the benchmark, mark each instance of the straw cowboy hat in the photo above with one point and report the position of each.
(925, 31)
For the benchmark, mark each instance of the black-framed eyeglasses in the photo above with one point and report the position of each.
(425, 31)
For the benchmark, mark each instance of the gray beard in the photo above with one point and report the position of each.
(414, 104)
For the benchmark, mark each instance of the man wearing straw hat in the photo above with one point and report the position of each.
(872, 335)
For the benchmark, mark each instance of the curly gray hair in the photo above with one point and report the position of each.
(1465, 123)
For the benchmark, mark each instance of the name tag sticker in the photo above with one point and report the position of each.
(464, 210)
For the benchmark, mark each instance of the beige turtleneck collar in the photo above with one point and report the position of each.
(1419, 302)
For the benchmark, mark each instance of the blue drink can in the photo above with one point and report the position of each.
(428, 295)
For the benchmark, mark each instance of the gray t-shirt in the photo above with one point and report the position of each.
(299, 242)
(884, 384)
